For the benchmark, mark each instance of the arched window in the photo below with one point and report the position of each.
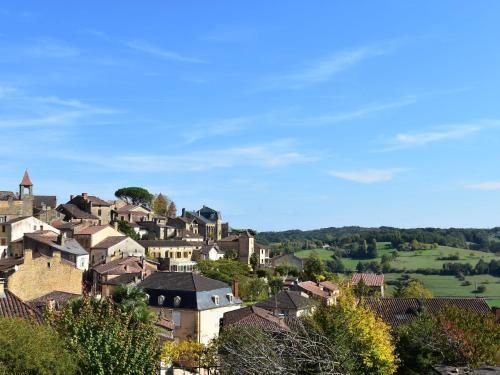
(161, 299)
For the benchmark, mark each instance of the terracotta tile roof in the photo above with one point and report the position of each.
(11, 306)
(254, 316)
(330, 286)
(370, 279)
(73, 211)
(109, 242)
(91, 229)
(120, 266)
(286, 300)
(26, 179)
(398, 311)
(312, 287)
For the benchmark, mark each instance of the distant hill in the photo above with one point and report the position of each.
(479, 239)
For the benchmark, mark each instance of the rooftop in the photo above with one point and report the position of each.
(254, 316)
(286, 300)
(370, 279)
(12, 306)
(184, 281)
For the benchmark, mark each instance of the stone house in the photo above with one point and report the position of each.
(15, 229)
(124, 271)
(45, 208)
(47, 242)
(184, 224)
(288, 260)
(39, 274)
(174, 255)
(325, 292)
(105, 243)
(209, 222)
(157, 229)
(243, 244)
(132, 213)
(13, 206)
(93, 205)
(288, 303)
(372, 281)
(194, 303)
(71, 213)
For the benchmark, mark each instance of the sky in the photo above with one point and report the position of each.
(282, 114)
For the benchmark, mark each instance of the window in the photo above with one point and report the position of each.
(41, 227)
(230, 297)
(161, 299)
(48, 264)
(34, 227)
(3, 241)
(186, 254)
(176, 317)
(216, 299)
(146, 298)
(3, 228)
(99, 212)
(179, 254)
(177, 301)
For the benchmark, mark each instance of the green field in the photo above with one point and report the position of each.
(411, 260)
(439, 285)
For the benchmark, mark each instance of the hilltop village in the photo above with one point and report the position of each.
(198, 276)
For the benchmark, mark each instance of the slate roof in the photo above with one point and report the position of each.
(370, 279)
(12, 306)
(124, 279)
(49, 238)
(286, 300)
(6, 195)
(8, 263)
(185, 281)
(92, 198)
(109, 242)
(254, 316)
(398, 311)
(48, 200)
(73, 211)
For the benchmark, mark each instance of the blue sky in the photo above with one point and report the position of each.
(281, 114)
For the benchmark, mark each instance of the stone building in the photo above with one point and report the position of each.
(209, 222)
(13, 206)
(39, 275)
(174, 255)
(243, 244)
(193, 303)
(93, 205)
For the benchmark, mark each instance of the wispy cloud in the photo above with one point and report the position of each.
(368, 176)
(226, 126)
(51, 48)
(493, 185)
(324, 69)
(275, 154)
(146, 47)
(441, 133)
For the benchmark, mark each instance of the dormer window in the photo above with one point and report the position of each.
(177, 301)
(146, 298)
(215, 299)
(230, 297)
(161, 299)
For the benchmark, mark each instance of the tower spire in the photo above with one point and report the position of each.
(26, 179)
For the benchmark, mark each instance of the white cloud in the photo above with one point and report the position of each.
(442, 133)
(484, 186)
(267, 155)
(146, 47)
(324, 69)
(368, 176)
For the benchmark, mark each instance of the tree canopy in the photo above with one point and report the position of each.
(28, 348)
(135, 195)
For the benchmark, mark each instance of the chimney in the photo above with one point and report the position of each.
(2, 288)
(115, 225)
(183, 212)
(71, 197)
(85, 197)
(236, 289)
(61, 239)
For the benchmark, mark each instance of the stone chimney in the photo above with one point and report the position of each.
(61, 239)
(183, 212)
(236, 289)
(85, 197)
(2, 288)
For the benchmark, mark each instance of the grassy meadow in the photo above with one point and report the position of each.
(440, 285)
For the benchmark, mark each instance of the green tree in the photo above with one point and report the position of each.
(231, 254)
(135, 195)
(253, 289)
(132, 299)
(453, 336)
(28, 348)
(107, 339)
(275, 285)
(160, 205)
(254, 261)
(172, 210)
(354, 327)
(372, 251)
(314, 267)
(225, 270)
(127, 229)
(412, 289)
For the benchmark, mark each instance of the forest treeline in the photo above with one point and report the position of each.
(476, 239)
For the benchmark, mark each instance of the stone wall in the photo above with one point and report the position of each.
(41, 275)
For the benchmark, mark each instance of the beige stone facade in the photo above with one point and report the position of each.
(41, 275)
